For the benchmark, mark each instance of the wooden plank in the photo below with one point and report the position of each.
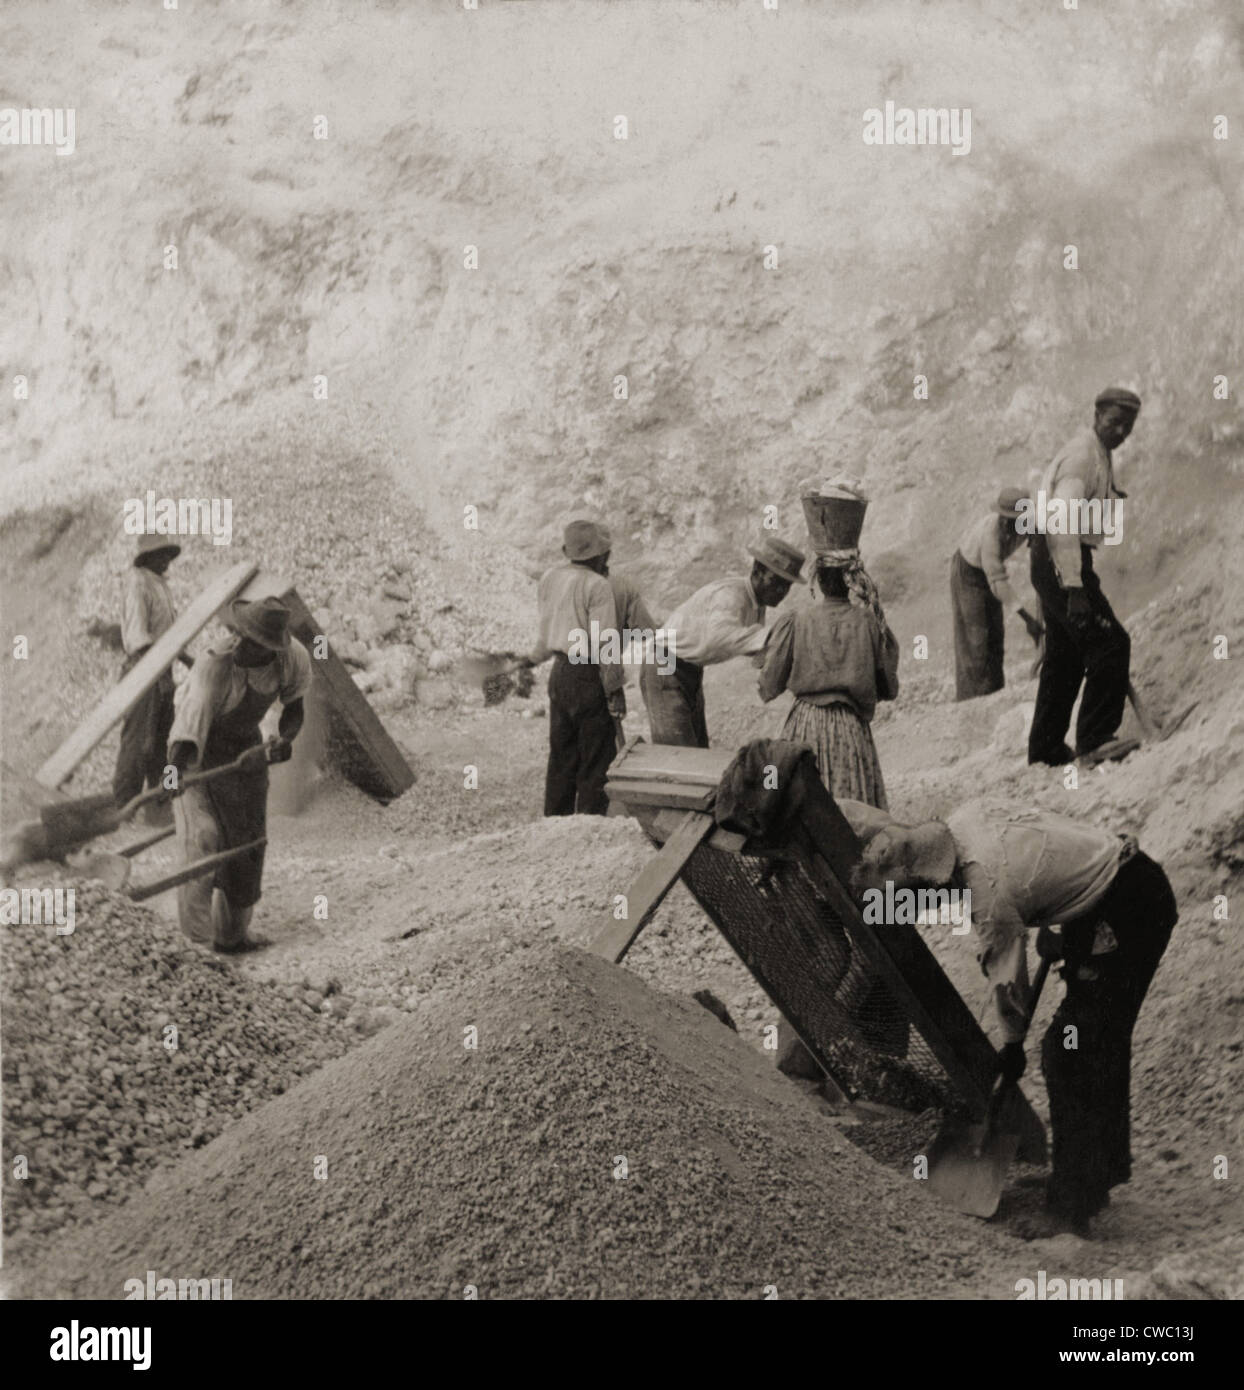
(136, 682)
(666, 822)
(649, 762)
(655, 880)
(661, 794)
(372, 760)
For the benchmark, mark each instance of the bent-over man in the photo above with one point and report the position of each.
(1028, 869)
(723, 619)
(981, 596)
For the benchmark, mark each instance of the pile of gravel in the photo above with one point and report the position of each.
(125, 1045)
(602, 1140)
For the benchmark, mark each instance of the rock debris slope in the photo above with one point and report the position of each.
(499, 1167)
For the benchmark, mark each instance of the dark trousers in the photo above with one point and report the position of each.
(979, 631)
(1089, 1084)
(675, 704)
(1100, 658)
(582, 742)
(144, 740)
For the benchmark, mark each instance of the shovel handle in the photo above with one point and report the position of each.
(195, 870)
(1001, 1087)
(193, 779)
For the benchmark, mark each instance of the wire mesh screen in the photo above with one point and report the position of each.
(801, 953)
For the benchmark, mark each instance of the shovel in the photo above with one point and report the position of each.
(65, 825)
(968, 1163)
(114, 871)
(491, 671)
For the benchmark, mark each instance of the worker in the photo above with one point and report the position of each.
(1084, 641)
(585, 696)
(147, 613)
(217, 719)
(981, 596)
(839, 657)
(719, 621)
(1030, 869)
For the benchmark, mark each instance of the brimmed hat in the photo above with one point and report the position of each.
(783, 559)
(1118, 395)
(265, 621)
(1009, 499)
(585, 540)
(151, 544)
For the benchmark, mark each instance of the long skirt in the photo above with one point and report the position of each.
(844, 748)
(980, 631)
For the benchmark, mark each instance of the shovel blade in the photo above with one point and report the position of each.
(968, 1167)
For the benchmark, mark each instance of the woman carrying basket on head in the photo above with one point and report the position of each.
(836, 655)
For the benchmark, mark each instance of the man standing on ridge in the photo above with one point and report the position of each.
(1084, 641)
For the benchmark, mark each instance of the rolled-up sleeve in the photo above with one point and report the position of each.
(135, 616)
(993, 563)
(1064, 548)
(779, 656)
(199, 699)
(602, 610)
(1002, 950)
(885, 648)
(295, 673)
(729, 632)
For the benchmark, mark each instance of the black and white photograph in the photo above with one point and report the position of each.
(619, 675)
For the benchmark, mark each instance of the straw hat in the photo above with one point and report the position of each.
(783, 559)
(265, 621)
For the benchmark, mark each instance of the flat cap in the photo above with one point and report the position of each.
(1117, 395)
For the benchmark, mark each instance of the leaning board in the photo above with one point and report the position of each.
(136, 682)
(368, 755)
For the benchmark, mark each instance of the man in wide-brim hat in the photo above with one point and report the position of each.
(1027, 869)
(586, 697)
(723, 619)
(1084, 641)
(981, 596)
(218, 713)
(147, 613)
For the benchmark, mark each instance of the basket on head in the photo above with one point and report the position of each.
(835, 518)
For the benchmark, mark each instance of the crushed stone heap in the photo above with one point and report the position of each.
(124, 1043)
(502, 1167)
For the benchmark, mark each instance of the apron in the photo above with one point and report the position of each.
(240, 802)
